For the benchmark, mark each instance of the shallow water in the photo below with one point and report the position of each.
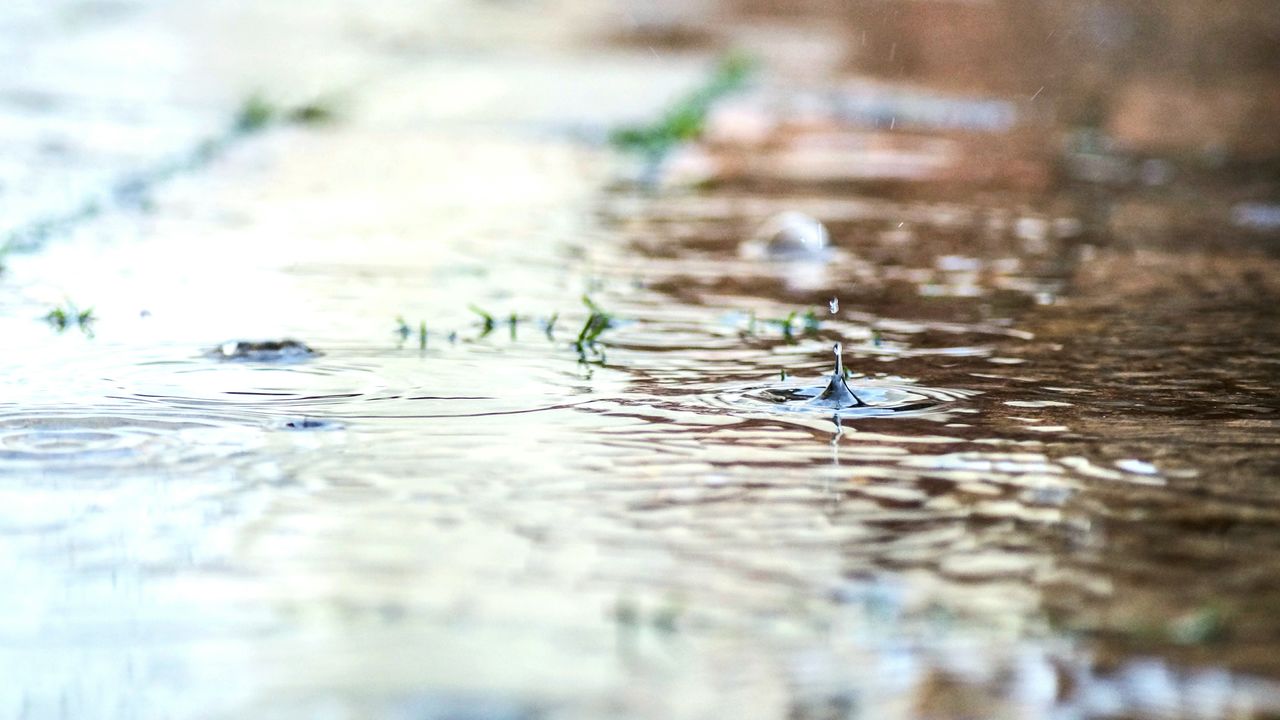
(1059, 501)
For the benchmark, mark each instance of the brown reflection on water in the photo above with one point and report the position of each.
(1073, 514)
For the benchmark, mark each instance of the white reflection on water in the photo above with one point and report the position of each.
(461, 543)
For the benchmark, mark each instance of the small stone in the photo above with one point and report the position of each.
(264, 351)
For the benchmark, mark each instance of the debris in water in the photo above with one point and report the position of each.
(311, 424)
(264, 351)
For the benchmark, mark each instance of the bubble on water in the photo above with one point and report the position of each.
(788, 235)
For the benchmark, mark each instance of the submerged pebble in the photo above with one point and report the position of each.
(264, 350)
(789, 235)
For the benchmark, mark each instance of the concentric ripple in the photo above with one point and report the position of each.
(351, 384)
(880, 399)
(69, 439)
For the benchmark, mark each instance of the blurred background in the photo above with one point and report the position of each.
(447, 359)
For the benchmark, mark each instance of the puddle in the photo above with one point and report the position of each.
(75, 442)
(1044, 487)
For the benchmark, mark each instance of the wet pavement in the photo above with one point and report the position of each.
(1057, 500)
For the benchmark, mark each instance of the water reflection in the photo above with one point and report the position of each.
(1054, 499)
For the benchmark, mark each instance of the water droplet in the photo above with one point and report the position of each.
(788, 236)
(834, 305)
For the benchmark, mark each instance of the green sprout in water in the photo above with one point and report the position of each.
(811, 322)
(786, 325)
(549, 326)
(486, 320)
(685, 120)
(404, 331)
(316, 112)
(1203, 626)
(66, 316)
(256, 113)
(587, 344)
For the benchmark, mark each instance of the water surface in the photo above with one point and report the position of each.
(1059, 501)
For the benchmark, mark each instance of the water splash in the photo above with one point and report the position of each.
(837, 395)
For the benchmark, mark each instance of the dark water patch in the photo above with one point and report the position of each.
(278, 351)
(311, 424)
